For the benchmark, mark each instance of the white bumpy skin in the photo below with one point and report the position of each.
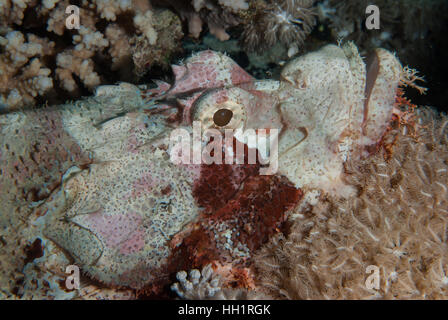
(326, 116)
(327, 107)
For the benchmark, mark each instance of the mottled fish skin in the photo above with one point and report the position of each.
(98, 172)
(36, 149)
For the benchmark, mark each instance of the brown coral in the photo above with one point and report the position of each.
(218, 15)
(398, 223)
(144, 53)
(110, 32)
(22, 74)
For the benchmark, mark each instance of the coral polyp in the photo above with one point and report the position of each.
(397, 222)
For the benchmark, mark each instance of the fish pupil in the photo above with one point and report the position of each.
(222, 117)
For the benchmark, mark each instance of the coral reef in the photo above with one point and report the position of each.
(397, 222)
(41, 59)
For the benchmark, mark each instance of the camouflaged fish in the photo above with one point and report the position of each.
(93, 178)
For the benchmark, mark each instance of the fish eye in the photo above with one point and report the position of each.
(222, 117)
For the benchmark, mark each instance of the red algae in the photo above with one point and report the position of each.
(242, 209)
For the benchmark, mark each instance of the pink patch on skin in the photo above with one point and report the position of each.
(201, 72)
(141, 186)
(162, 88)
(179, 71)
(198, 76)
(221, 97)
(117, 229)
(194, 170)
(135, 243)
(238, 75)
(187, 104)
(260, 112)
